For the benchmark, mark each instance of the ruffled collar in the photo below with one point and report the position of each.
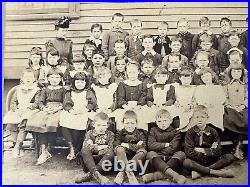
(152, 52)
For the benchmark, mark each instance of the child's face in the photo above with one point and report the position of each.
(202, 61)
(98, 60)
(163, 30)
(89, 51)
(234, 41)
(120, 48)
(130, 124)
(182, 26)
(96, 32)
(163, 122)
(161, 78)
(174, 62)
(206, 46)
(186, 79)
(35, 59)
(53, 60)
(175, 46)
(148, 44)
(79, 66)
(117, 22)
(54, 79)
(225, 27)
(80, 84)
(205, 26)
(28, 78)
(148, 68)
(235, 59)
(200, 118)
(207, 78)
(236, 73)
(136, 28)
(132, 73)
(62, 32)
(104, 78)
(120, 65)
(101, 126)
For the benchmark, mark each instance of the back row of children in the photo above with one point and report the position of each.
(70, 89)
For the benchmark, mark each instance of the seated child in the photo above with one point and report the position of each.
(97, 141)
(148, 52)
(46, 121)
(119, 73)
(147, 71)
(130, 144)
(164, 149)
(162, 41)
(96, 35)
(134, 40)
(22, 105)
(77, 104)
(225, 25)
(203, 148)
(204, 24)
(87, 51)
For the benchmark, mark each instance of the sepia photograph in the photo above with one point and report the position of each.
(125, 93)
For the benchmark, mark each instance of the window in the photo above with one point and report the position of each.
(37, 10)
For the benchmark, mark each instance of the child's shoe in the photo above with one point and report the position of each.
(119, 178)
(195, 175)
(43, 158)
(131, 177)
(155, 176)
(83, 178)
(100, 178)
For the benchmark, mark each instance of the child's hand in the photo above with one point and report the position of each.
(125, 106)
(200, 150)
(166, 144)
(90, 142)
(214, 145)
(125, 145)
(140, 143)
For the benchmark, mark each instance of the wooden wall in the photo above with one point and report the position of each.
(20, 36)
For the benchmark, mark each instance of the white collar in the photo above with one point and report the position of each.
(145, 52)
(54, 87)
(132, 83)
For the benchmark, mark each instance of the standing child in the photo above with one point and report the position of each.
(186, 37)
(203, 148)
(96, 35)
(77, 104)
(115, 33)
(147, 71)
(130, 144)
(134, 41)
(164, 145)
(148, 52)
(119, 73)
(98, 141)
(162, 41)
(46, 120)
(87, 51)
(225, 25)
(22, 105)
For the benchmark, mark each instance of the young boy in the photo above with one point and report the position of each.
(164, 144)
(162, 41)
(96, 35)
(226, 25)
(97, 141)
(244, 37)
(204, 24)
(186, 38)
(115, 33)
(130, 143)
(147, 71)
(87, 51)
(203, 148)
(148, 52)
(134, 41)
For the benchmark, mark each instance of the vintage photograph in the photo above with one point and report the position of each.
(125, 93)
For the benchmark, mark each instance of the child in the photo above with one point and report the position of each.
(61, 43)
(130, 144)
(87, 51)
(147, 71)
(148, 52)
(203, 148)
(105, 91)
(46, 120)
(175, 45)
(186, 37)
(96, 35)
(97, 141)
(162, 41)
(236, 106)
(77, 104)
(244, 37)
(164, 144)
(226, 25)
(204, 24)
(119, 73)
(114, 34)
(134, 41)
(22, 105)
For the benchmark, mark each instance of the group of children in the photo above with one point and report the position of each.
(191, 84)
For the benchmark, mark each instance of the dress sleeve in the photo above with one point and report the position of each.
(143, 94)
(67, 101)
(14, 101)
(42, 99)
(121, 95)
(92, 102)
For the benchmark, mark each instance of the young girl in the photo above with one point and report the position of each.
(46, 121)
(21, 107)
(119, 73)
(236, 106)
(77, 104)
(87, 51)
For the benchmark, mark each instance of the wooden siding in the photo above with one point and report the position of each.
(20, 36)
